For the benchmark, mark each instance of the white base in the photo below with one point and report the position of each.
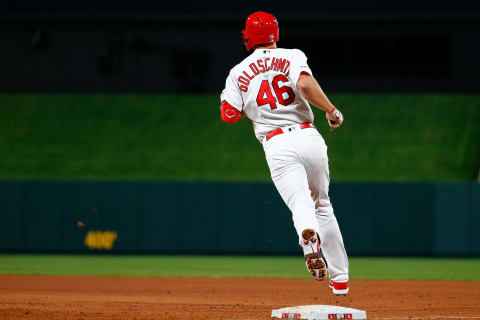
(318, 312)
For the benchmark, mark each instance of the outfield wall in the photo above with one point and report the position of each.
(232, 218)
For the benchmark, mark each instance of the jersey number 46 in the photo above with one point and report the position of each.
(265, 95)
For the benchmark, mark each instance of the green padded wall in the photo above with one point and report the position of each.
(11, 217)
(232, 218)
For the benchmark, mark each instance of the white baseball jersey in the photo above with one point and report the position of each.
(264, 86)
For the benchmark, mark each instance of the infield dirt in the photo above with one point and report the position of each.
(83, 297)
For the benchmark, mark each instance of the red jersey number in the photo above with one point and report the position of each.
(279, 91)
(265, 95)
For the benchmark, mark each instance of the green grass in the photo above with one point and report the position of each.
(219, 266)
(385, 137)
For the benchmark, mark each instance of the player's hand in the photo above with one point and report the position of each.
(334, 118)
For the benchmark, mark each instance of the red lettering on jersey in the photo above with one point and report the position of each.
(277, 65)
(244, 80)
(287, 68)
(274, 62)
(281, 64)
(254, 69)
(261, 66)
(248, 76)
(266, 65)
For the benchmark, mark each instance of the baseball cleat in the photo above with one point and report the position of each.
(339, 288)
(314, 259)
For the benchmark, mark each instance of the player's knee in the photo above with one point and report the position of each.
(325, 213)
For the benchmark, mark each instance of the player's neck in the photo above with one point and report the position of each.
(271, 46)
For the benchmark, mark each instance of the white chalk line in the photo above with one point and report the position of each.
(413, 318)
(430, 318)
(416, 318)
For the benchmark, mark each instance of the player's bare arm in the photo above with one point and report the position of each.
(311, 90)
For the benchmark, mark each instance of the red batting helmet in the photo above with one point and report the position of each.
(260, 27)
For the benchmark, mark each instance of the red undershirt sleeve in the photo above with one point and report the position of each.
(229, 113)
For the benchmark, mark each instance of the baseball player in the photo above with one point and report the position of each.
(273, 87)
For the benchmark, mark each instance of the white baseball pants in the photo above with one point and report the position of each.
(298, 164)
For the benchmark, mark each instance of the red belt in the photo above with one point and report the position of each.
(278, 131)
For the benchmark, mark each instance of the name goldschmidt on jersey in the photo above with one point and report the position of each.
(261, 66)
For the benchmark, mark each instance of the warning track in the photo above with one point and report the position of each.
(83, 297)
